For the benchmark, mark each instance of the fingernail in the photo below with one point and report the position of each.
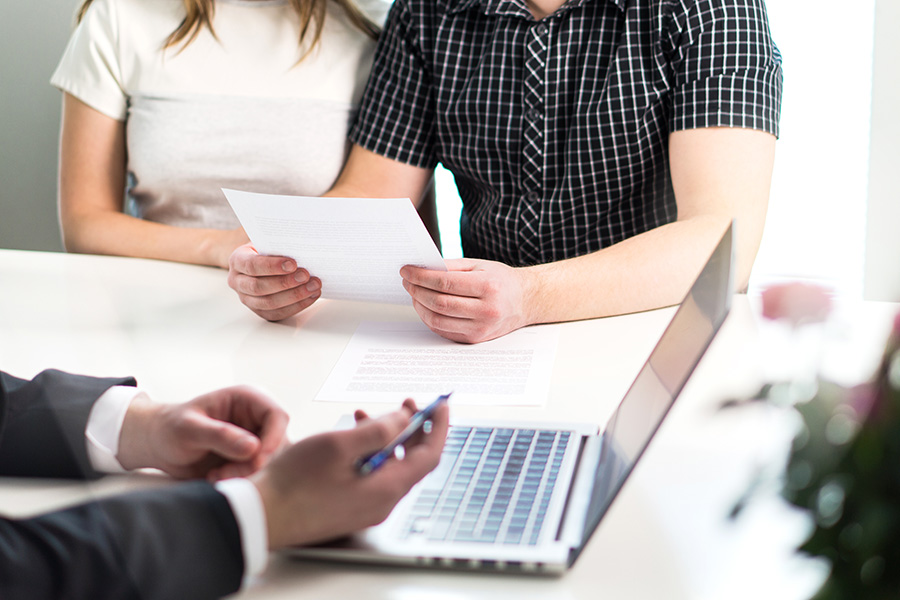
(288, 266)
(312, 286)
(247, 442)
(301, 276)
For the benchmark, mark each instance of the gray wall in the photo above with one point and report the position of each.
(33, 34)
(882, 269)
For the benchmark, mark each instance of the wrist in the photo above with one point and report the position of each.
(213, 248)
(531, 281)
(269, 497)
(136, 438)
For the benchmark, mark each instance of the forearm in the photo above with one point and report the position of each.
(718, 174)
(92, 179)
(645, 272)
(368, 175)
(173, 542)
(45, 423)
(112, 233)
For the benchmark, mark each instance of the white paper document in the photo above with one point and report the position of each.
(356, 246)
(386, 362)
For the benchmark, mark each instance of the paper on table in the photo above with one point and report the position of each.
(356, 246)
(389, 361)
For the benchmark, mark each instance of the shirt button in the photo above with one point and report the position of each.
(541, 29)
(532, 197)
(533, 114)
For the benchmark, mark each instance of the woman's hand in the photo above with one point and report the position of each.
(273, 287)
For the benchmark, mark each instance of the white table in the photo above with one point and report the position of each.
(181, 331)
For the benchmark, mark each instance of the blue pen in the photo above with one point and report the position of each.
(366, 466)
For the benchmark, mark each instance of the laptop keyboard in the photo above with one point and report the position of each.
(491, 486)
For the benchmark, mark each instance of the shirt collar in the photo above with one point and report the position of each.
(517, 7)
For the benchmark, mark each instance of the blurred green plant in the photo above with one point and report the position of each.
(844, 464)
(844, 468)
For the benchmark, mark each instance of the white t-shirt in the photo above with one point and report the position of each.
(238, 111)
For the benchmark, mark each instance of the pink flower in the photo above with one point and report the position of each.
(798, 303)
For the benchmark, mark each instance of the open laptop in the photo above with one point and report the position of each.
(526, 497)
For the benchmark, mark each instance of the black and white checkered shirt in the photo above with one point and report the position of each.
(556, 131)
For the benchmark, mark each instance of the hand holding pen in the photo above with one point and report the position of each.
(312, 491)
(416, 424)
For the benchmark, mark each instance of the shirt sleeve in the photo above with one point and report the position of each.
(90, 68)
(104, 426)
(247, 506)
(397, 110)
(727, 69)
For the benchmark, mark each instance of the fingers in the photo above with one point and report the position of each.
(273, 287)
(226, 440)
(455, 283)
(253, 409)
(371, 435)
(278, 281)
(441, 323)
(246, 260)
(280, 310)
(474, 302)
(444, 303)
(463, 264)
(276, 297)
(424, 455)
(457, 329)
(423, 450)
(433, 441)
(272, 432)
(359, 415)
(457, 305)
(221, 422)
(313, 492)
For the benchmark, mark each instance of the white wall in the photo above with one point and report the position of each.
(33, 34)
(882, 264)
(815, 227)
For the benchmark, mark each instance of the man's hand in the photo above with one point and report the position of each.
(231, 432)
(273, 287)
(312, 492)
(474, 301)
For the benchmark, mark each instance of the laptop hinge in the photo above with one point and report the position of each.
(571, 525)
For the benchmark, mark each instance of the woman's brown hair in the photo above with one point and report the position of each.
(199, 14)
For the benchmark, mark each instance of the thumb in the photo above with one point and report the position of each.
(461, 264)
(227, 440)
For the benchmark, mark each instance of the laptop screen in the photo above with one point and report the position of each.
(660, 380)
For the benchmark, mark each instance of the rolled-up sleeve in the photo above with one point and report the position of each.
(396, 116)
(726, 67)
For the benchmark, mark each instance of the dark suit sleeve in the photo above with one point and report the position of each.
(42, 423)
(171, 543)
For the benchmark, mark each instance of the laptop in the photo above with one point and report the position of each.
(526, 497)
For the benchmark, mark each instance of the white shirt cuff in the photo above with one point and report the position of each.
(104, 426)
(250, 515)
